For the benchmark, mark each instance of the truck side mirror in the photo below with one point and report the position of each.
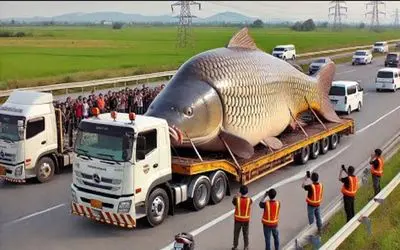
(141, 143)
(140, 155)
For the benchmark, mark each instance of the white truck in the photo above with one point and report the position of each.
(125, 168)
(31, 138)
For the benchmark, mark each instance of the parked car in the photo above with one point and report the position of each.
(361, 57)
(285, 52)
(392, 60)
(381, 47)
(317, 64)
(346, 96)
(388, 79)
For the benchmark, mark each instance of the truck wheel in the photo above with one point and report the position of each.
(333, 141)
(303, 156)
(201, 195)
(157, 207)
(324, 143)
(359, 107)
(218, 187)
(314, 150)
(44, 169)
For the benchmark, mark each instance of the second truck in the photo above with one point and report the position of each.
(125, 168)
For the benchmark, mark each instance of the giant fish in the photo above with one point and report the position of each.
(239, 96)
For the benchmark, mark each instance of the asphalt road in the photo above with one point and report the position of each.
(37, 216)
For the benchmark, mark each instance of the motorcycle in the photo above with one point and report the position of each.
(184, 241)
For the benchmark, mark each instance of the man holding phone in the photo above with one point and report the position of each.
(314, 198)
(349, 190)
(270, 218)
(376, 169)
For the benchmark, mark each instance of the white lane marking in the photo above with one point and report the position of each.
(33, 215)
(296, 177)
(344, 72)
(278, 184)
(378, 120)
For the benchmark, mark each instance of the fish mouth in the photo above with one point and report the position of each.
(176, 135)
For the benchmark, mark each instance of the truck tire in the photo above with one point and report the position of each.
(333, 141)
(201, 194)
(314, 152)
(44, 169)
(218, 187)
(303, 156)
(324, 143)
(157, 207)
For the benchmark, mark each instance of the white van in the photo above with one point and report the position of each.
(285, 52)
(346, 96)
(381, 47)
(388, 78)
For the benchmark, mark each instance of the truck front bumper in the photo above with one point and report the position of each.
(82, 206)
(8, 173)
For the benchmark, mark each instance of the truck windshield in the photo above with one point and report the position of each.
(9, 127)
(103, 142)
(338, 91)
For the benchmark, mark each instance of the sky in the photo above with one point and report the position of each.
(265, 10)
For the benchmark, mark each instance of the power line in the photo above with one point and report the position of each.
(396, 18)
(184, 36)
(337, 14)
(374, 13)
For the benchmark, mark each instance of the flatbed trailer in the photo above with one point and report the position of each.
(265, 161)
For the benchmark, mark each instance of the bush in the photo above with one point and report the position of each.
(257, 24)
(308, 25)
(117, 25)
(6, 34)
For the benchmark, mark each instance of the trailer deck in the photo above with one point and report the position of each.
(264, 161)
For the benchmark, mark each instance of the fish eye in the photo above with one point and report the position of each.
(188, 111)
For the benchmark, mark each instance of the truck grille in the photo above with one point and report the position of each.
(103, 179)
(97, 185)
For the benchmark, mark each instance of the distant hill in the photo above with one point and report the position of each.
(97, 17)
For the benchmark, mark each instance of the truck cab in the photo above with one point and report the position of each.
(28, 136)
(119, 160)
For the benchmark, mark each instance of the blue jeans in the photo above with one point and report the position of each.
(267, 237)
(314, 211)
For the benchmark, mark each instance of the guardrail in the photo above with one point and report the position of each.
(352, 225)
(128, 79)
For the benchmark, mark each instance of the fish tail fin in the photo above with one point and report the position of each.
(325, 78)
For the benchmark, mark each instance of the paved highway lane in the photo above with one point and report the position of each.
(57, 229)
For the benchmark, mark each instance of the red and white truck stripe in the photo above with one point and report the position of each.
(121, 220)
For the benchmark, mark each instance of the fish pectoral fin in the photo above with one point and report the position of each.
(237, 145)
(242, 39)
(272, 142)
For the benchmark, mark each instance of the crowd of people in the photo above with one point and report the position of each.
(124, 101)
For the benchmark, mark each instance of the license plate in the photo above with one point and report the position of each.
(96, 204)
(178, 246)
(2, 171)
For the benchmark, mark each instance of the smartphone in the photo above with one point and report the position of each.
(308, 174)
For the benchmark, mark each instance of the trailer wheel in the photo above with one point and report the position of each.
(333, 141)
(157, 207)
(324, 145)
(314, 150)
(201, 194)
(218, 186)
(44, 169)
(303, 156)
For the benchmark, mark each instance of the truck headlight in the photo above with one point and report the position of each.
(124, 206)
(18, 171)
(74, 199)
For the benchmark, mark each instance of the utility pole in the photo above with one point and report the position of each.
(396, 18)
(185, 22)
(337, 13)
(374, 13)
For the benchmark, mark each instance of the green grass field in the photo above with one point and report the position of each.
(65, 54)
(385, 221)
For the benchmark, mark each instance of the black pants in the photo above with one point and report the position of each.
(236, 231)
(376, 181)
(348, 207)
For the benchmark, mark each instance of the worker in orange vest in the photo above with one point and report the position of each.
(376, 169)
(242, 205)
(270, 218)
(314, 199)
(349, 190)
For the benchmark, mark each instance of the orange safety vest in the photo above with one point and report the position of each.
(242, 209)
(353, 186)
(316, 195)
(271, 213)
(379, 170)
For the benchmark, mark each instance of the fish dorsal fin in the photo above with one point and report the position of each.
(242, 39)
